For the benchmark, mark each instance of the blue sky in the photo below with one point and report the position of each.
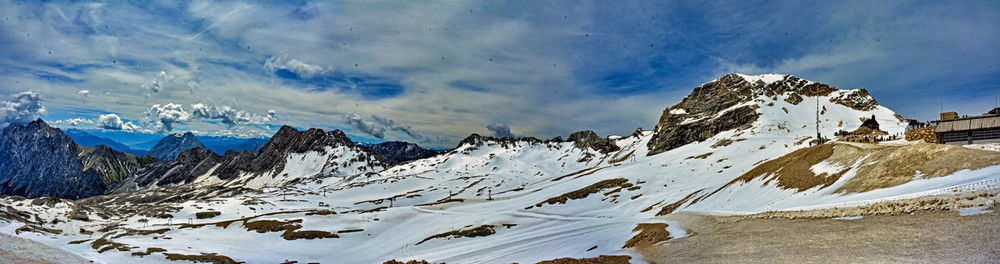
(433, 72)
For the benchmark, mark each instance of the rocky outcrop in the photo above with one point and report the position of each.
(728, 103)
(171, 145)
(588, 139)
(856, 99)
(112, 165)
(709, 109)
(398, 152)
(38, 160)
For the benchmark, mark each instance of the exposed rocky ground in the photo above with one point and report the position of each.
(922, 237)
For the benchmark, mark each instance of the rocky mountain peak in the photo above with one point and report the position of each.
(171, 145)
(39, 160)
(289, 139)
(731, 102)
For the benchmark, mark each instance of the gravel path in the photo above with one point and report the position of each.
(923, 237)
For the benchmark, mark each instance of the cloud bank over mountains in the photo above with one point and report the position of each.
(440, 70)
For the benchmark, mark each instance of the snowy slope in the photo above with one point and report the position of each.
(544, 200)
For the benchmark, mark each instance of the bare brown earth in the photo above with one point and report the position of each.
(878, 165)
(896, 165)
(921, 237)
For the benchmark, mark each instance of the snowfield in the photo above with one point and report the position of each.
(495, 203)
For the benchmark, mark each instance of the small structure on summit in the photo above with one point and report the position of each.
(871, 123)
(868, 132)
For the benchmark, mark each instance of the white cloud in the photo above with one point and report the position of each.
(20, 108)
(500, 130)
(303, 69)
(158, 83)
(114, 122)
(166, 115)
(73, 122)
(229, 115)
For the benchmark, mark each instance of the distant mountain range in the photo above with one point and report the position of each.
(222, 144)
(217, 144)
(85, 139)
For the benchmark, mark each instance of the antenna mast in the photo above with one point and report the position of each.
(818, 136)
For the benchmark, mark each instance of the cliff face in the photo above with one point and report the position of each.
(731, 102)
(38, 160)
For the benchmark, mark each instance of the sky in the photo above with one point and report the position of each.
(433, 72)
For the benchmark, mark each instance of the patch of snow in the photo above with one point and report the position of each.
(678, 111)
(974, 211)
(826, 167)
(856, 217)
(990, 147)
(766, 78)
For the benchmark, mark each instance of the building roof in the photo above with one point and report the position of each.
(968, 123)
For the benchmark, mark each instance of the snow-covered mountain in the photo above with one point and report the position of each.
(736, 145)
(737, 101)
